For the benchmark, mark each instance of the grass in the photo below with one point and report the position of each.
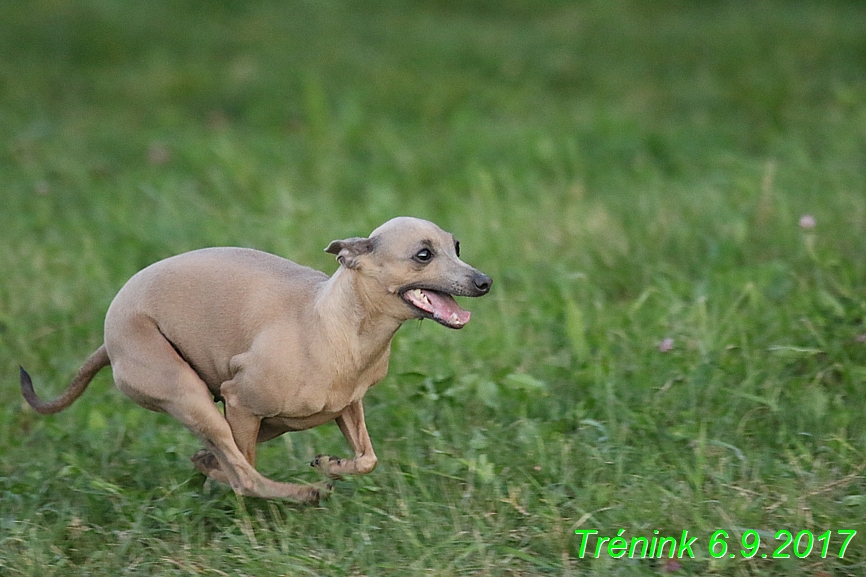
(627, 172)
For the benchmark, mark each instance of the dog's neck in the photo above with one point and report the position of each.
(353, 318)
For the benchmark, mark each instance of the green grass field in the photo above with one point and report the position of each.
(627, 172)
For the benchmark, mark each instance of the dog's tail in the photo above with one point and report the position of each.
(97, 361)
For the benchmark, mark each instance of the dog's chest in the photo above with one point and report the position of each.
(320, 402)
(303, 383)
(329, 393)
(284, 423)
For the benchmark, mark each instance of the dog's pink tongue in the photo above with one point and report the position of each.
(446, 309)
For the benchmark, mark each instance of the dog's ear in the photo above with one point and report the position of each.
(348, 251)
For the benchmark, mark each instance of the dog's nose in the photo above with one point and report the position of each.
(482, 283)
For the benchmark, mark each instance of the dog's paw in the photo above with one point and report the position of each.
(318, 492)
(313, 495)
(325, 461)
(205, 462)
(326, 465)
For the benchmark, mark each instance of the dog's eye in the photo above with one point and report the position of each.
(457, 247)
(423, 255)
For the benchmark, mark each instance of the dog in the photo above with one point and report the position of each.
(282, 346)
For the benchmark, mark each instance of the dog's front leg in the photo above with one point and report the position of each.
(354, 428)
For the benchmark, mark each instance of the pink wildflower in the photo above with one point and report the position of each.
(807, 222)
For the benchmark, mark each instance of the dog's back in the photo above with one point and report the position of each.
(211, 303)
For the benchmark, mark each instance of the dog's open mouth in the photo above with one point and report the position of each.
(439, 306)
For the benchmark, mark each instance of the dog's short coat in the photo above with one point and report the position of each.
(283, 346)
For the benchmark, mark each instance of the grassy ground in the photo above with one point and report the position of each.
(628, 172)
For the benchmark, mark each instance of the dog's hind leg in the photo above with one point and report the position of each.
(207, 463)
(149, 370)
(354, 428)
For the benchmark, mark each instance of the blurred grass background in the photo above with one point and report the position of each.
(628, 172)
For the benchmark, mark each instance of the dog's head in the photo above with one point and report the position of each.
(418, 267)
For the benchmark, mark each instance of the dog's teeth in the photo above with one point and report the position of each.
(455, 318)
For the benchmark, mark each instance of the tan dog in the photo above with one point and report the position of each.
(283, 346)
